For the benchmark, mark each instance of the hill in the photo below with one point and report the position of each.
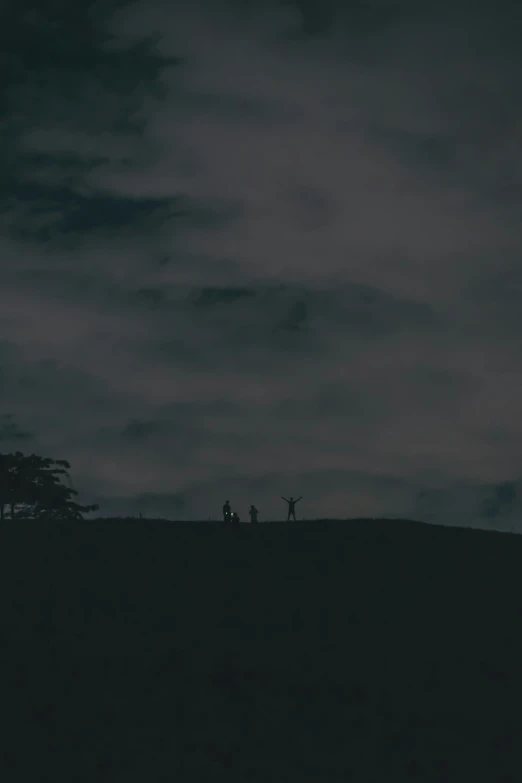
(328, 650)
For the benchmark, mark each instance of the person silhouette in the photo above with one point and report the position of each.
(291, 506)
(226, 511)
(235, 517)
(253, 513)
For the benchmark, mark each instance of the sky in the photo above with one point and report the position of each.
(254, 248)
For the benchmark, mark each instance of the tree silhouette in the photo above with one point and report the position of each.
(32, 485)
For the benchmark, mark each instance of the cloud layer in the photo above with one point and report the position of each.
(263, 249)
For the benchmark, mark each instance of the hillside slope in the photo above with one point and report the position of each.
(357, 650)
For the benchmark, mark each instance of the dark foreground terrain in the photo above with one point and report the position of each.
(358, 650)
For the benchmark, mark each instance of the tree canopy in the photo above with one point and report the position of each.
(30, 486)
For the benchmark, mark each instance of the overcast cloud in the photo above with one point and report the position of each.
(253, 249)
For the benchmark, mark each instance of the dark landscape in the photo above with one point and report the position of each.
(328, 650)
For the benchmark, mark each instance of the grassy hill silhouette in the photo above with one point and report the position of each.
(332, 650)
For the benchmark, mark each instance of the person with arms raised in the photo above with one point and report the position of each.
(291, 506)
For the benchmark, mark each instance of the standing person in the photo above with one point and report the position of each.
(291, 506)
(253, 513)
(226, 511)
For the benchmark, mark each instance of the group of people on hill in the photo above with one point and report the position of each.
(233, 516)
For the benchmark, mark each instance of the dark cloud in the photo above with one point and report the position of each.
(296, 316)
(251, 249)
(10, 432)
(477, 504)
(138, 430)
(210, 297)
(49, 212)
(63, 65)
(502, 500)
(316, 17)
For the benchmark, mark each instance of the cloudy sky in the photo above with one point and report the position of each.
(254, 248)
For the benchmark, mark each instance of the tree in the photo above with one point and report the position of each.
(22, 478)
(32, 483)
(54, 502)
